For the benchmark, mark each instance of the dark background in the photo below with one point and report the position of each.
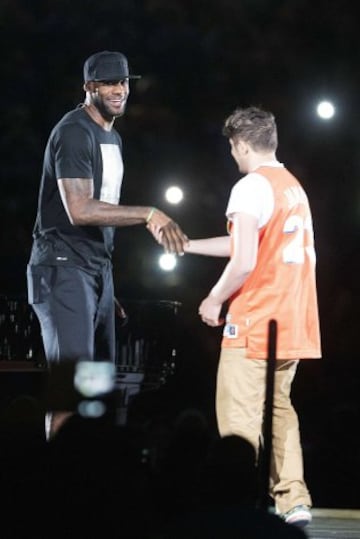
(198, 61)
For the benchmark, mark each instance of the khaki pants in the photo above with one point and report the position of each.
(240, 399)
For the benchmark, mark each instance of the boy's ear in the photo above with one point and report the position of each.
(243, 146)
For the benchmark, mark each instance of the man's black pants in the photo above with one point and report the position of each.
(75, 308)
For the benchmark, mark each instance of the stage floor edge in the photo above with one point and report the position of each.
(329, 523)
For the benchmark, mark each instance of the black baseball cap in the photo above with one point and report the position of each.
(107, 65)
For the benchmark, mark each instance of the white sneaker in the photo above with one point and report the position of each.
(299, 515)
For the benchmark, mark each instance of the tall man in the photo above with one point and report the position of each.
(270, 275)
(70, 282)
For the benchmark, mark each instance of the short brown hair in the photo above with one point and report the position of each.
(254, 126)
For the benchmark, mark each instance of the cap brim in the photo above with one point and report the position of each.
(115, 77)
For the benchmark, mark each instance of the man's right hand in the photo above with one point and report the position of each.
(167, 232)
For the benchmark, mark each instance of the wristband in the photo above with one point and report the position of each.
(151, 213)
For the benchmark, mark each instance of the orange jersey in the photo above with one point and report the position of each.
(283, 284)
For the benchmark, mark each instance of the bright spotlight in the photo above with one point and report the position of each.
(174, 194)
(167, 261)
(325, 110)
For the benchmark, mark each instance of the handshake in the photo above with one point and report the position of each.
(166, 232)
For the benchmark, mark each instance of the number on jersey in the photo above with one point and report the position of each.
(302, 242)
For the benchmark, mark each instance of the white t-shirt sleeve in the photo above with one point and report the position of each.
(254, 195)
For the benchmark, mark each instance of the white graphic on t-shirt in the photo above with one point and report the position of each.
(113, 170)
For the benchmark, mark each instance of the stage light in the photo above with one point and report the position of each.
(174, 194)
(93, 378)
(167, 261)
(93, 409)
(325, 110)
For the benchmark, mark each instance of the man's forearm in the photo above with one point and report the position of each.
(83, 209)
(98, 213)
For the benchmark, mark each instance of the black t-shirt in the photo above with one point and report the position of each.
(77, 148)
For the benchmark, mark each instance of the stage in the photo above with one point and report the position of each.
(148, 363)
(334, 523)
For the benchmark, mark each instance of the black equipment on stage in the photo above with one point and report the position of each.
(20, 338)
(147, 336)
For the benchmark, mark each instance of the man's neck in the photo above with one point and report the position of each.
(95, 115)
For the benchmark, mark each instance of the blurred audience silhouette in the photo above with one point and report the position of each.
(161, 476)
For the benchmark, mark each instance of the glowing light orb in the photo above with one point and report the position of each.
(325, 110)
(167, 261)
(174, 194)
